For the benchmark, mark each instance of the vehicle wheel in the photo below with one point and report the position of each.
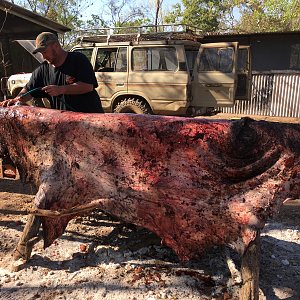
(133, 106)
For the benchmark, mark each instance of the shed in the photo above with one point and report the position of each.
(18, 23)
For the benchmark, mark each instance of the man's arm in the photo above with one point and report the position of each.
(19, 98)
(76, 88)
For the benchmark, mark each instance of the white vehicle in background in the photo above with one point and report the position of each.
(16, 82)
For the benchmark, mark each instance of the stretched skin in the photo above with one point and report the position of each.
(195, 182)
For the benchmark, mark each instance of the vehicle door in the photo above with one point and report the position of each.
(244, 71)
(89, 52)
(111, 73)
(215, 75)
(155, 75)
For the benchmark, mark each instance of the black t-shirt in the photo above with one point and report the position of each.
(75, 68)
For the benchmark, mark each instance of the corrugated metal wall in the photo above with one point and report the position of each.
(273, 94)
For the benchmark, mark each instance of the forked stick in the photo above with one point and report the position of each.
(61, 212)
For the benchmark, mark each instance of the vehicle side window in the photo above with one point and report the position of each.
(243, 60)
(217, 59)
(112, 60)
(105, 61)
(154, 59)
(121, 63)
(87, 52)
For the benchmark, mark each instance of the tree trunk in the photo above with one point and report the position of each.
(158, 3)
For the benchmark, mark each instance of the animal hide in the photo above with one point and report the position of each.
(195, 182)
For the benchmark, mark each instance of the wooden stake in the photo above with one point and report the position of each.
(29, 234)
(250, 271)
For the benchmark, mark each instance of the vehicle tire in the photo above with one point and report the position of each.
(133, 106)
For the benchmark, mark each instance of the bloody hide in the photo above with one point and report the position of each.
(196, 183)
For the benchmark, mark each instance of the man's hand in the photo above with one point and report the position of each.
(10, 102)
(53, 90)
(75, 88)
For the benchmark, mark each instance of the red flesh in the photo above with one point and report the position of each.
(196, 183)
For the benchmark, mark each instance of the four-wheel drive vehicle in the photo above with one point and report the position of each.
(140, 70)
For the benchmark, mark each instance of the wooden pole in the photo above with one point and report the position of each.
(30, 231)
(27, 240)
(250, 271)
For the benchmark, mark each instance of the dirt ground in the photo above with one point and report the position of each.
(99, 257)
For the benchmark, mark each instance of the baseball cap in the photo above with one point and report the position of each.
(43, 40)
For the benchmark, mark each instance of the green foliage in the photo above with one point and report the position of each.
(268, 15)
(237, 15)
(201, 13)
(118, 13)
(132, 24)
(173, 16)
(210, 15)
(64, 12)
(136, 22)
(95, 22)
(204, 14)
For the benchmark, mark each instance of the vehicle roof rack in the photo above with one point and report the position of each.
(140, 33)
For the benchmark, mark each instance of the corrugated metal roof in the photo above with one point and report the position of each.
(12, 14)
(29, 45)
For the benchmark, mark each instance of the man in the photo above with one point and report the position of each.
(64, 78)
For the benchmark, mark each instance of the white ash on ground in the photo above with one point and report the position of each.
(99, 257)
